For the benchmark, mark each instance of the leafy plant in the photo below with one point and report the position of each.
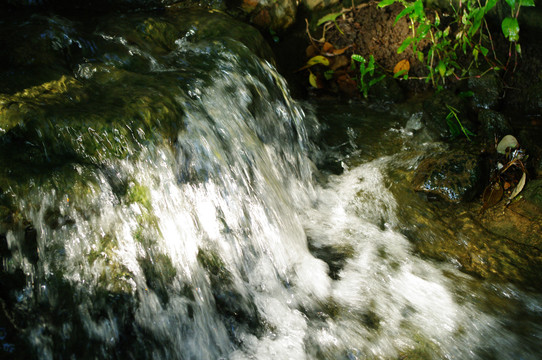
(456, 127)
(471, 36)
(330, 17)
(366, 71)
(510, 25)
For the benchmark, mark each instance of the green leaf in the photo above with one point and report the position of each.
(526, 3)
(358, 58)
(375, 80)
(328, 17)
(510, 28)
(318, 59)
(437, 19)
(466, 94)
(418, 9)
(328, 74)
(511, 3)
(423, 29)
(385, 3)
(406, 11)
(400, 73)
(490, 4)
(420, 56)
(404, 45)
(484, 50)
(441, 67)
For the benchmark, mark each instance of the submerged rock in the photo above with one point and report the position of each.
(453, 176)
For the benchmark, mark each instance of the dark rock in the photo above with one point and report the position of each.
(487, 90)
(493, 125)
(533, 100)
(387, 90)
(454, 176)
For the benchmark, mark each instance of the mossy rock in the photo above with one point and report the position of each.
(159, 274)
(73, 119)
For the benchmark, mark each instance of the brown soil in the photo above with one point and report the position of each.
(367, 30)
(371, 31)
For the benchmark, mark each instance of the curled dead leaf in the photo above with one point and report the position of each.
(519, 187)
(341, 51)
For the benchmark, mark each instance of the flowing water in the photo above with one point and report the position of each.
(167, 204)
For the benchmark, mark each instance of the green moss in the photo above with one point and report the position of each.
(215, 267)
(139, 194)
(422, 349)
(159, 274)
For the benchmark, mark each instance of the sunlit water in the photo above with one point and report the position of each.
(229, 243)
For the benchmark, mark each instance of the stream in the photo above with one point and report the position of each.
(164, 197)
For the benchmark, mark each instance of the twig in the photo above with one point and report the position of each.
(309, 34)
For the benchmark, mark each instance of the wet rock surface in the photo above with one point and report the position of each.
(493, 125)
(487, 90)
(453, 176)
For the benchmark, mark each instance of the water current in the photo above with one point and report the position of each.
(170, 202)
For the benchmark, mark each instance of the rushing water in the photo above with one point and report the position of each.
(206, 231)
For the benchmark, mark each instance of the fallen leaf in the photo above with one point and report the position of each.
(519, 187)
(506, 185)
(315, 81)
(339, 62)
(402, 65)
(318, 59)
(311, 51)
(492, 195)
(327, 47)
(340, 51)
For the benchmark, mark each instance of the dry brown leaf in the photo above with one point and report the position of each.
(492, 195)
(339, 62)
(327, 47)
(340, 51)
(402, 65)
